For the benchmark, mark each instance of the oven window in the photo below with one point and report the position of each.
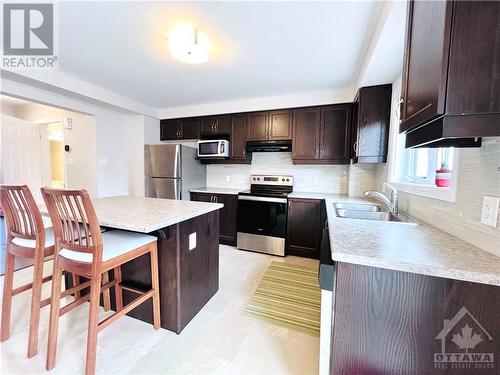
(208, 148)
(264, 218)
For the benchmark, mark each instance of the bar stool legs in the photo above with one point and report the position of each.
(54, 316)
(36, 300)
(7, 296)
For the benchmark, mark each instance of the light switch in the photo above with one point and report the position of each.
(68, 123)
(228, 178)
(192, 241)
(489, 212)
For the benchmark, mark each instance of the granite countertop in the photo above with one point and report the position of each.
(217, 190)
(145, 214)
(419, 248)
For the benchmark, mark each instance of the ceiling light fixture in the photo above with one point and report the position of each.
(188, 44)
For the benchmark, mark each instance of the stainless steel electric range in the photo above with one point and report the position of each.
(262, 214)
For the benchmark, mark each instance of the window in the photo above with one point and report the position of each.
(414, 170)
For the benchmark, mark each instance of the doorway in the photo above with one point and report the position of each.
(53, 155)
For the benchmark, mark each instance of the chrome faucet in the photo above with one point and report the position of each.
(392, 204)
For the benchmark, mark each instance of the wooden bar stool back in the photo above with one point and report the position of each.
(26, 238)
(91, 256)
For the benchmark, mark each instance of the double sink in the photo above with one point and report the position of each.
(369, 212)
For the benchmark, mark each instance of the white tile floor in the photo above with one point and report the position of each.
(219, 340)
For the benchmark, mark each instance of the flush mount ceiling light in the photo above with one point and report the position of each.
(188, 44)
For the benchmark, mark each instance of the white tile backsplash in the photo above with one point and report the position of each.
(313, 178)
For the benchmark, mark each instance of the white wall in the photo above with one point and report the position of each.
(117, 141)
(81, 161)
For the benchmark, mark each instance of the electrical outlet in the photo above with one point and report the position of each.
(228, 178)
(489, 212)
(192, 241)
(316, 181)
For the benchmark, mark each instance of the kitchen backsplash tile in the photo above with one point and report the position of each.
(478, 175)
(313, 178)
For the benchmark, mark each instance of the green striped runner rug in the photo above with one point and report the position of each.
(289, 296)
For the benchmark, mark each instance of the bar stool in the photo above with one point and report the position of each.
(92, 255)
(26, 238)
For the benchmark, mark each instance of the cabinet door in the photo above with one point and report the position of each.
(306, 124)
(190, 128)
(426, 61)
(373, 123)
(280, 125)
(257, 126)
(169, 130)
(334, 137)
(238, 137)
(304, 227)
(201, 197)
(222, 124)
(227, 218)
(208, 125)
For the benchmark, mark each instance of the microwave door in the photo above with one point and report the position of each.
(208, 148)
(162, 161)
(167, 188)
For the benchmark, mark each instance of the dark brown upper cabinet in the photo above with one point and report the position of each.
(177, 129)
(321, 135)
(269, 126)
(216, 125)
(305, 141)
(335, 133)
(238, 137)
(451, 86)
(257, 126)
(372, 109)
(280, 125)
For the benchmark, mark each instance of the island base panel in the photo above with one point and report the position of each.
(386, 322)
(188, 278)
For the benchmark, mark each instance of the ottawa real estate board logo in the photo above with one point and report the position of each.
(28, 36)
(465, 344)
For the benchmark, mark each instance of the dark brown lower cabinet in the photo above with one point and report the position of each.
(227, 215)
(394, 322)
(303, 236)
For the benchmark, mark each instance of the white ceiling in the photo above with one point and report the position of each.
(261, 48)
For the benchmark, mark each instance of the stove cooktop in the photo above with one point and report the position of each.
(270, 186)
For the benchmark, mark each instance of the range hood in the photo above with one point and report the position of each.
(450, 131)
(269, 146)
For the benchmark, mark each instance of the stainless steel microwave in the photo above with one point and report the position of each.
(213, 148)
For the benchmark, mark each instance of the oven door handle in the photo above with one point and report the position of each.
(261, 199)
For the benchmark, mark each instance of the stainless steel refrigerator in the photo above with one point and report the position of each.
(172, 170)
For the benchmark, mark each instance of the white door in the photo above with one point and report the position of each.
(21, 159)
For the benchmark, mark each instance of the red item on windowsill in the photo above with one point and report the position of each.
(443, 177)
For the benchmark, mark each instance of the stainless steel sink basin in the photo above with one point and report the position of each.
(369, 212)
(358, 207)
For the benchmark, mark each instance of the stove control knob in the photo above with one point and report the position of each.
(258, 178)
(253, 178)
(283, 179)
(287, 180)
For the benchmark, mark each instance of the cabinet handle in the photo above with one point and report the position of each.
(216, 124)
(355, 146)
(215, 199)
(321, 150)
(398, 108)
(243, 152)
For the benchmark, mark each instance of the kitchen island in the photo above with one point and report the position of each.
(188, 253)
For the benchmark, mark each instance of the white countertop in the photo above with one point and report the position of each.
(420, 248)
(218, 190)
(314, 195)
(145, 214)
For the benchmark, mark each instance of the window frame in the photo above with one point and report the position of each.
(448, 194)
